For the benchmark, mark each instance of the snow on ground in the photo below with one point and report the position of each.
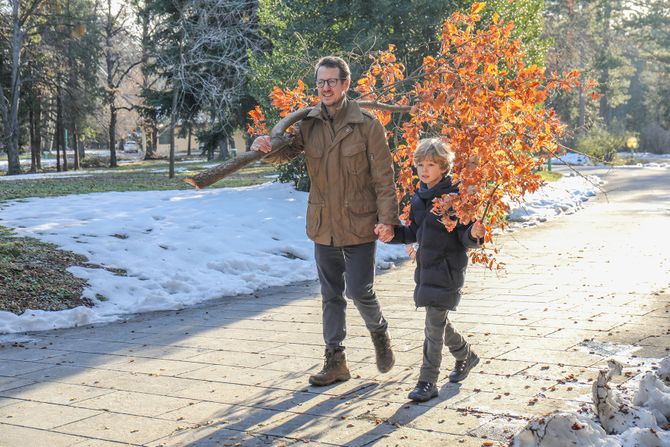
(571, 158)
(49, 161)
(631, 414)
(645, 159)
(563, 197)
(183, 247)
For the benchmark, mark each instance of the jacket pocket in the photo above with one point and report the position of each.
(363, 223)
(446, 271)
(355, 158)
(313, 221)
(455, 274)
(313, 160)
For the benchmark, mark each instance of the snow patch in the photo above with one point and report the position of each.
(620, 421)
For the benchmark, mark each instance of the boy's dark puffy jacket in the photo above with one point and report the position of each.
(441, 258)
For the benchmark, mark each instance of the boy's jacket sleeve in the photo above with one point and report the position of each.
(467, 240)
(405, 234)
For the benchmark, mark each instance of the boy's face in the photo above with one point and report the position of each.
(430, 172)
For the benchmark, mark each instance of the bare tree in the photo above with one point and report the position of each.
(203, 51)
(20, 19)
(120, 59)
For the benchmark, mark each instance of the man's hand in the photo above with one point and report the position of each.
(384, 232)
(478, 230)
(262, 144)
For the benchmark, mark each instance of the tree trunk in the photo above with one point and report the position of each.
(224, 153)
(173, 125)
(154, 138)
(605, 73)
(64, 138)
(81, 149)
(75, 144)
(190, 132)
(38, 133)
(33, 131)
(58, 129)
(11, 116)
(112, 137)
(581, 107)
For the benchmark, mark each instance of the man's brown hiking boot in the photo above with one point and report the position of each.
(384, 354)
(334, 369)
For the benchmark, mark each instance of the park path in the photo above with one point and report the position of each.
(233, 371)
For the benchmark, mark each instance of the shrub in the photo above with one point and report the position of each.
(655, 139)
(601, 145)
(295, 171)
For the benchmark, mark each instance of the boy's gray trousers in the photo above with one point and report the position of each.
(347, 271)
(439, 332)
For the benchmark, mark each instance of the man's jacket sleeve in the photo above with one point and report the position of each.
(381, 169)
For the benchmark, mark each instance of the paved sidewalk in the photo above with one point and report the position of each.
(234, 371)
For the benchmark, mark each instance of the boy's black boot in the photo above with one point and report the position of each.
(463, 367)
(423, 391)
(334, 369)
(383, 352)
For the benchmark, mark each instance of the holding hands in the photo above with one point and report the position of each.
(384, 232)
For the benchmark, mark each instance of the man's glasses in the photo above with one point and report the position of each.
(332, 82)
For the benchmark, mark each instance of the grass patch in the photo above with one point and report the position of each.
(550, 176)
(132, 177)
(33, 275)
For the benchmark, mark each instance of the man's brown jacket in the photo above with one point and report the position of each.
(351, 174)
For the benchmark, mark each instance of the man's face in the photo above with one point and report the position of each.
(331, 96)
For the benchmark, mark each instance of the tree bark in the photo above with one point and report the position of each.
(35, 133)
(75, 143)
(605, 73)
(112, 137)
(190, 134)
(64, 133)
(58, 129)
(173, 125)
(224, 153)
(31, 119)
(11, 116)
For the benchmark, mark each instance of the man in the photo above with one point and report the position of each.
(351, 201)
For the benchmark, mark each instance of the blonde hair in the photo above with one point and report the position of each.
(435, 150)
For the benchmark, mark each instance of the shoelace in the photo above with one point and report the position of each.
(425, 386)
(460, 365)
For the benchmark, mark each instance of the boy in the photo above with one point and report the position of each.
(441, 260)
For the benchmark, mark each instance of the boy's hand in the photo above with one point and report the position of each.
(384, 232)
(478, 230)
(262, 144)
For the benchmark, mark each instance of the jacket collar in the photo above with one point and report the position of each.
(443, 187)
(349, 113)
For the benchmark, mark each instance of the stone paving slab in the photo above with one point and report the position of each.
(43, 415)
(233, 371)
(14, 435)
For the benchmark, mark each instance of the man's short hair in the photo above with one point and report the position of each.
(436, 150)
(333, 62)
